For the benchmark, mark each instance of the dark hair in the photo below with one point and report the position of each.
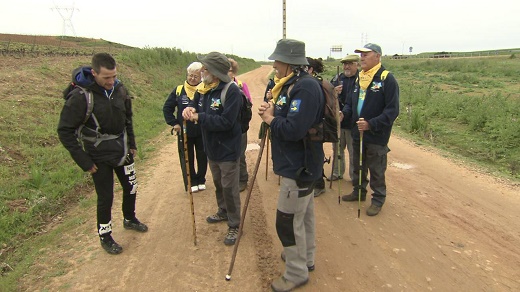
(104, 60)
(316, 64)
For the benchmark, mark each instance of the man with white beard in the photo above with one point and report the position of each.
(221, 133)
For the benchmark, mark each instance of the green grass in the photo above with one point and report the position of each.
(38, 179)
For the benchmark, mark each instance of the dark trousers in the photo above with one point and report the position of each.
(197, 177)
(244, 176)
(375, 162)
(104, 184)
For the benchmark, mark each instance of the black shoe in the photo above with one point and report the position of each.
(217, 217)
(242, 186)
(109, 245)
(134, 224)
(231, 236)
(334, 178)
(353, 197)
(310, 268)
(373, 210)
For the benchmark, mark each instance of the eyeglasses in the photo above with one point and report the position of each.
(194, 76)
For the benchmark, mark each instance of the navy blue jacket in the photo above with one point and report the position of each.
(293, 155)
(180, 102)
(221, 130)
(380, 109)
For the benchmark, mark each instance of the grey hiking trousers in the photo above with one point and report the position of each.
(225, 177)
(295, 225)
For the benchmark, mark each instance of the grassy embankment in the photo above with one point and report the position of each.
(38, 179)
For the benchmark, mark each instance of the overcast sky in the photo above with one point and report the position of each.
(251, 28)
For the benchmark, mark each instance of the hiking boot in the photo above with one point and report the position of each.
(318, 192)
(373, 210)
(283, 285)
(231, 236)
(135, 224)
(202, 187)
(353, 197)
(109, 245)
(334, 178)
(217, 217)
(242, 186)
(310, 268)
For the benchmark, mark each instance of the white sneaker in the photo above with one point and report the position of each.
(194, 189)
(202, 187)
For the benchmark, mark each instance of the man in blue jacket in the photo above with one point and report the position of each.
(296, 106)
(374, 107)
(221, 134)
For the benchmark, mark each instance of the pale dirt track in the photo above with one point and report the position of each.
(444, 228)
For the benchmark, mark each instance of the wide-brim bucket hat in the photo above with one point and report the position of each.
(217, 64)
(289, 51)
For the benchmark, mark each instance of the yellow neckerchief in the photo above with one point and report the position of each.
(278, 84)
(190, 89)
(203, 88)
(365, 77)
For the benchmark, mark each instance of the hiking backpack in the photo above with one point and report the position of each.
(246, 112)
(96, 136)
(327, 129)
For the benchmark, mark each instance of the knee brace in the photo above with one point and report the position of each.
(285, 228)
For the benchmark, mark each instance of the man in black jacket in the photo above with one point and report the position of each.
(104, 143)
(218, 117)
(296, 106)
(344, 85)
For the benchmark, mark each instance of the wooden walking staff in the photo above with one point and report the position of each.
(188, 175)
(244, 210)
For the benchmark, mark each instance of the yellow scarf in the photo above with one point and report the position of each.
(203, 88)
(278, 86)
(365, 77)
(190, 89)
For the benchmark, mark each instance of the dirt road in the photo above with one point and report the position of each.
(444, 228)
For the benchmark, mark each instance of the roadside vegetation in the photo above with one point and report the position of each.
(468, 106)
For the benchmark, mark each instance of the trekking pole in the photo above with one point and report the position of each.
(188, 175)
(336, 154)
(243, 216)
(339, 141)
(360, 169)
(267, 156)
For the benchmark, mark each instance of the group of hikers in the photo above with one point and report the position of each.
(96, 127)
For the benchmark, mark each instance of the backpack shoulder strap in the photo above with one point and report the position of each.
(178, 90)
(384, 74)
(224, 92)
(90, 102)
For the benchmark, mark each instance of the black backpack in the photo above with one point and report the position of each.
(246, 112)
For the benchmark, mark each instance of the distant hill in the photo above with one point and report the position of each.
(59, 41)
(38, 45)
